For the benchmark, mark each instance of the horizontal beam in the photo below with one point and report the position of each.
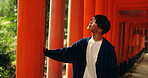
(130, 3)
(132, 8)
(132, 19)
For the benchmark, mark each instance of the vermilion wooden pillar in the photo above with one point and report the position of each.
(120, 42)
(141, 44)
(115, 33)
(135, 42)
(100, 7)
(75, 26)
(89, 12)
(30, 39)
(126, 42)
(139, 41)
(130, 41)
(106, 13)
(106, 7)
(110, 17)
(143, 39)
(56, 36)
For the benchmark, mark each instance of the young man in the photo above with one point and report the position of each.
(92, 57)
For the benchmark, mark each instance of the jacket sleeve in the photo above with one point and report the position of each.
(112, 64)
(63, 55)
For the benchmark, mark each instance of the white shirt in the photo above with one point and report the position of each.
(92, 51)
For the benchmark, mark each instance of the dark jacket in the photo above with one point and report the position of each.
(106, 64)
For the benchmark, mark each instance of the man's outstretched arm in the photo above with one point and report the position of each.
(63, 55)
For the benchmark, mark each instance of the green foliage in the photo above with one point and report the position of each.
(47, 19)
(3, 74)
(66, 19)
(7, 8)
(8, 35)
(66, 14)
(7, 46)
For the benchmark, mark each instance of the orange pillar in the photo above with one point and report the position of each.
(130, 42)
(115, 22)
(143, 38)
(89, 12)
(126, 42)
(141, 44)
(115, 33)
(135, 42)
(75, 26)
(30, 39)
(99, 7)
(110, 17)
(138, 43)
(140, 38)
(56, 36)
(106, 7)
(121, 36)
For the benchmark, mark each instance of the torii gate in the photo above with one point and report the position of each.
(31, 26)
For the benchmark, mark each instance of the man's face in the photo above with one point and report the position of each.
(93, 27)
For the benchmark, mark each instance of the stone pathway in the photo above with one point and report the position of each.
(140, 69)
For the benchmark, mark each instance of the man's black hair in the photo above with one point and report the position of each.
(103, 22)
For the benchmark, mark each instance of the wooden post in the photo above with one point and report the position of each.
(30, 39)
(75, 26)
(134, 42)
(115, 33)
(89, 12)
(120, 42)
(143, 38)
(130, 41)
(110, 17)
(126, 42)
(56, 36)
(100, 5)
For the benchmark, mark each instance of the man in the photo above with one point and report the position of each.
(92, 57)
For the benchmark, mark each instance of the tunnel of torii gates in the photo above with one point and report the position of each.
(128, 18)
